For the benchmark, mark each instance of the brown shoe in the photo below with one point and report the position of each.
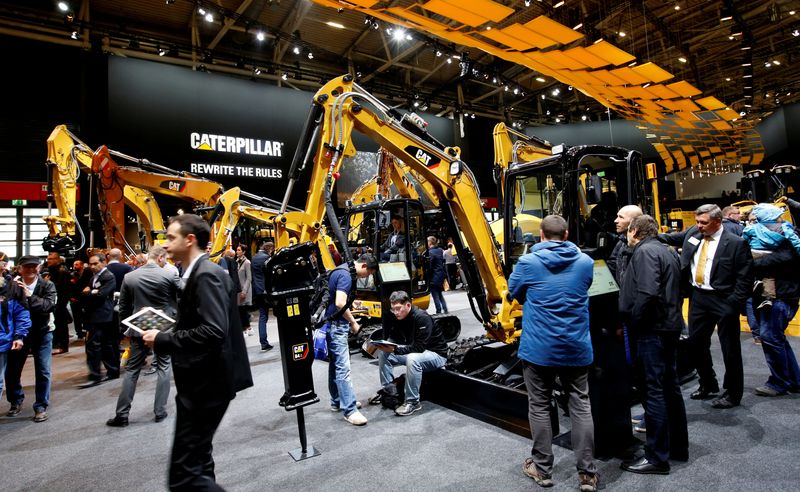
(587, 481)
(529, 469)
(40, 416)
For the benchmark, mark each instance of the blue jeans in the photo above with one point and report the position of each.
(667, 433)
(263, 316)
(438, 300)
(340, 385)
(752, 320)
(416, 363)
(3, 359)
(782, 363)
(41, 346)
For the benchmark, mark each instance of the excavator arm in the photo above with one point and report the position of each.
(340, 107)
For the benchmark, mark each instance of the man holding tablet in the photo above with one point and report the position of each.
(413, 340)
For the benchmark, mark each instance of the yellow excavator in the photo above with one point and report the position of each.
(538, 188)
(117, 187)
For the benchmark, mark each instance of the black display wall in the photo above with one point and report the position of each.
(238, 132)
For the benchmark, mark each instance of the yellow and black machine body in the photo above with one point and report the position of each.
(483, 377)
(117, 186)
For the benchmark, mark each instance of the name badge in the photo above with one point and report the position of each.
(694, 241)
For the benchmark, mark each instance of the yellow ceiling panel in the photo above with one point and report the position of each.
(711, 103)
(647, 103)
(454, 12)
(587, 78)
(610, 53)
(558, 57)
(685, 124)
(715, 150)
(680, 159)
(651, 119)
(662, 92)
(493, 11)
(694, 159)
(586, 57)
(686, 115)
(727, 114)
(704, 153)
(531, 37)
(667, 103)
(365, 3)
(652, 72)
(640, 92)
(506, 39)
(627, 74)
(757, 157)
(687, 105)
(553, 30)
(608, 77)
(684, 89)
(417, 19)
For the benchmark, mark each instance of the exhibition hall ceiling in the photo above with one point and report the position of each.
(694, 75)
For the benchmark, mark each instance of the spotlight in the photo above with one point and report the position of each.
(472, 116)
(169, 2)
(62, 6)
(75, 35)
(527, 3)
(556, 92)
(542, 96)
(682, 60)
(584, 117)
(449, 60)
(209, 17)
(776, 62)
(516, 90)
(677, 7)
(257, 71)
(310, 55)
(494, 80)
(558, 120)
(284, 76)
(296, 50)
(438, 53)
(260, 36)
(162, 51)
(725, 14)
(795, 32)
(621, 34)
(399, 35)
(416, 104)
(540, 79)
(201, 11)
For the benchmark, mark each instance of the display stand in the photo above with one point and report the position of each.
(290, 275)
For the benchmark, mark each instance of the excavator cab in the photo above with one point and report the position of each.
(586, 185)
(392, 230)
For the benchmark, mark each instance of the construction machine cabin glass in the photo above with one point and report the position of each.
(585, 185)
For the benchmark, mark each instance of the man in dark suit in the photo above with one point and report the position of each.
(717, 265)
(117, 267)
(103, 341)
(147, 286)
(257, 267)
(209, 356)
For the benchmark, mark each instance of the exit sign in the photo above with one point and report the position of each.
(19, 203)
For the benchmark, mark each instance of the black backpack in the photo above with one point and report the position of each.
(319, 302)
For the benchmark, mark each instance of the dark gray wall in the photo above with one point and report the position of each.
(621, 133)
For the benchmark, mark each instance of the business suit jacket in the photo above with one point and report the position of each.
(257, 272)
(149, 285)
(119, 270)
(209, 357)
(100, 306)
(731, 269)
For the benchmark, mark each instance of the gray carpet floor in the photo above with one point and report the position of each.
(752, 447)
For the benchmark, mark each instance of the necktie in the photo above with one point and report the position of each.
(699, 274)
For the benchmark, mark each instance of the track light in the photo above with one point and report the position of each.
(284, 76)
(209, 17)
(260, 36)
(169, 2)
(540, 79)
(584, 117)
(257, 71)
(75, 35)
(725, 14)
(310, 55)
(62, 6)
(201, 11)
(162, 51)
(296, 50)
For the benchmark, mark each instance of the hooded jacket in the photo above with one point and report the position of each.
(552, 282)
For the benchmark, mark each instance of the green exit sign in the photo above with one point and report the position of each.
(19, 203)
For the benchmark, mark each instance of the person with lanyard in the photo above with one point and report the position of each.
(718, 265)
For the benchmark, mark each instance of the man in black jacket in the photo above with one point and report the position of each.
(717, 265)
(650, 303)
(102, 345)
(40, 298)
(209, 357)
(621, 254)
(784, 266)
(419, 345)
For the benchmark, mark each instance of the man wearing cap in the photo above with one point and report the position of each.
(40, 296)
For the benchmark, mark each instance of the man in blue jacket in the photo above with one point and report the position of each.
(14, 325)
(552, 283)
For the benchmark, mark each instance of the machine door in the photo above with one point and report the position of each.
(418, 247)
(361, 231)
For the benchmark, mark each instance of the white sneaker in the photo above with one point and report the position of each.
(249, 332)
(335, 408)
(356, 418)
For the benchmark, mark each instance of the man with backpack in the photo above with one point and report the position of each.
(340, 385)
